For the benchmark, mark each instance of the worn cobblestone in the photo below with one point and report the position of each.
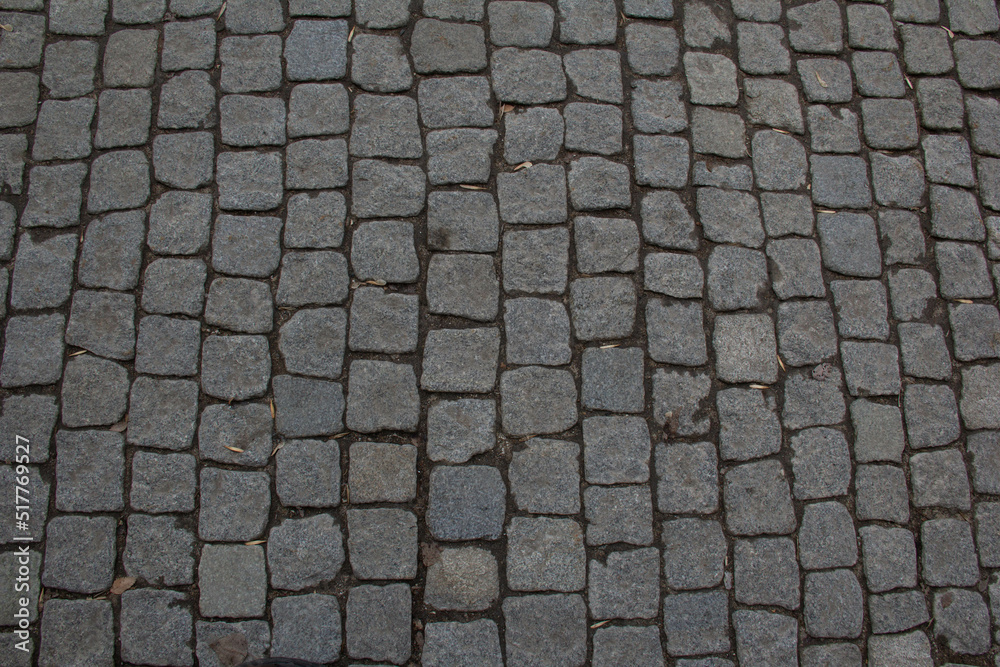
(654, 314)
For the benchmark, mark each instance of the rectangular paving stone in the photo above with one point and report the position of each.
(246, 426)
(463, 579)
(620, 514)
(774, 103)
(171, 563)
(308, 626)
(461, 101)
(90, 472)
(522, 24)
(162, 482)
(69, 68)
(187, 100)
(464, 285)
(233, 504)
(687, 478)
(458, 430)
(694, 553)
(307, 473)
(545, 477)
(466, 502)
(676, 333)
(80, 553)
(381, 395)
(382, 543)
(546, 629)
(460, 360)
(545, 553)
(827, 537)
(477, 640)
(77, 630)
(696, 623)
(379, 64)
(625, 585)
(232, 581)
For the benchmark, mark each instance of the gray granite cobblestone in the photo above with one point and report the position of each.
(579, 332)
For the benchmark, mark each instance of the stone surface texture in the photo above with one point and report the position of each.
(500, 332)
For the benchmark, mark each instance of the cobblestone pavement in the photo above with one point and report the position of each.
(610, 332)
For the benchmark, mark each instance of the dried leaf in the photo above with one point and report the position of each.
(233, 449)
(253, 543)
(7, 27)
(471, 187)
(523, 165)
(947, 30)
(821, 81)
(781, 363)
(347, 494)
(350, 35)
(122, 584)
(377, 283)
(825, 210)
(964, 300)
(597, 625)
(272, 409)
(340, 435)
(506, 108)
(759, 386)
(277, 447)
(231, 650)
(120, 426)
(77, 353)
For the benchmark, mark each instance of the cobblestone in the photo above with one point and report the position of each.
(187, 100)
(306, 475)
(833, 133)
(476, 640)
(833, 604)
(69, 66)
(651, 49)
(976, 403)
(676, 313)
(463, 579)
(54, 196)
(232, 581)
(827, 537)
(466, 503)
(947, 555)
(307, 626)
(234, 504)
(460, 155)
(546, 629)
(545, 477)
(162, 482)
(246, 426)
(618, 514)
(171, 564)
